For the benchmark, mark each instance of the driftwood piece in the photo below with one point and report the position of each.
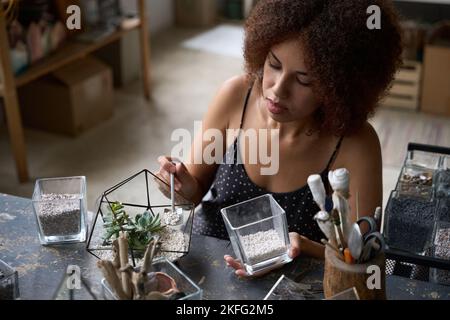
(130, 283)
(109, 272)
(126, 277)
(116, 257)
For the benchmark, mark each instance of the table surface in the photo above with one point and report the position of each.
(42, 268)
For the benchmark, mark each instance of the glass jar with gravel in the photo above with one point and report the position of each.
(258, 233)
(409, 222)
(60, 208)
(441, 250)
(442, 181)
(418, 173)
(9, 282)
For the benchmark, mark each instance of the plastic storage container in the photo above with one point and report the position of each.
(60, 208)
(418, 173)
(442, 183)
(441, 250)
(258, 233)
(191, 290)
(411, 251)
(9, 282)
(409, 222)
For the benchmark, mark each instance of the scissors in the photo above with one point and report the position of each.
(373, 241)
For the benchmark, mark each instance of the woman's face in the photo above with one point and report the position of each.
(286, 84)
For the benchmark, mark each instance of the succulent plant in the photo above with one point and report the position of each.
(140, 230)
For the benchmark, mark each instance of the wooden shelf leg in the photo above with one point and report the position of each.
(16, 134)
(145, 48)
(11, 104)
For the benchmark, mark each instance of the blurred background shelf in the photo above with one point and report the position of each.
(68, 53)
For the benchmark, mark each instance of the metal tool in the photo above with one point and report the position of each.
(170, 218)
(172, 191)
(370, 222)
(366, 245)
(373, 245)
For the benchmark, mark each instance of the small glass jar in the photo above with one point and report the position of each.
(418, 173)
(409, 222)
(258, 233)
(441, 250)
(60, 208)
(9, 282)
(188, 289)
(442, 181)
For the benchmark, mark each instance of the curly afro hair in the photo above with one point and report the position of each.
(351, 66)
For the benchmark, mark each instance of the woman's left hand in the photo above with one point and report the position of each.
(294, 251)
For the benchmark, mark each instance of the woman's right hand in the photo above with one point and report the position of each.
(184, 182)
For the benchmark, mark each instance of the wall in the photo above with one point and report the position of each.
(160, 13)
(429, 11)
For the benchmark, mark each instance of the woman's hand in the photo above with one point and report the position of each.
(184, 182)
(294, 251)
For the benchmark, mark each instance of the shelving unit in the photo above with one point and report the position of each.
(66, 54)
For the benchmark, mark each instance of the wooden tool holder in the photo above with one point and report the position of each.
(340, 276)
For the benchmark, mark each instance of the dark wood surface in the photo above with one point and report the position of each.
(41, 268)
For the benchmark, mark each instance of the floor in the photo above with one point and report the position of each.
(184, 81)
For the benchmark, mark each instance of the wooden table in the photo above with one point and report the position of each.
(68, 53)
(42, 268)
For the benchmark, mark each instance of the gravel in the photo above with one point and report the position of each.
(172, 240)
(443, 184)
(444, 210)
(171, 218)
(59, 218)
(416, 180)
(174, 246)
(262, 245)
(6, 288)
(410, 224)
(442, 251)
(7, 292)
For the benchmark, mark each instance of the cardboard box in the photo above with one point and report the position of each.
(436, 80)
(71, 100)
(195, 13)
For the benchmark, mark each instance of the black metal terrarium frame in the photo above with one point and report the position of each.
(108, 197)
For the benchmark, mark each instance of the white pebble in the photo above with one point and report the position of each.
(263, 245)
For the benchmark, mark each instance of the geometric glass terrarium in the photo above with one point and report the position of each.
(145, 200)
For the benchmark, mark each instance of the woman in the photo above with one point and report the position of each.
(315, 71)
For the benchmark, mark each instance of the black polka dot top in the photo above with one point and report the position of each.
(232, 185)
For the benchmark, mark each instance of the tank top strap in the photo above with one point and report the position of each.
(334, 155)
(247, 98)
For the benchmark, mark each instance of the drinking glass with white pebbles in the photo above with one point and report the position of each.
(60, 208)
(258, 233)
